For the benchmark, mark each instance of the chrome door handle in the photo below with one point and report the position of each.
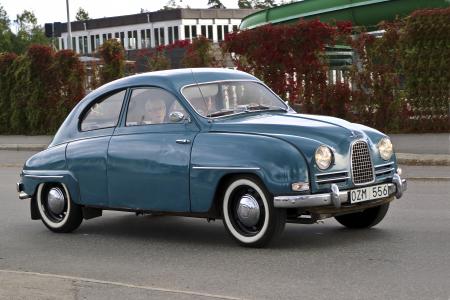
(183, 141)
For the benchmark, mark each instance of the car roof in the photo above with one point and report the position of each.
(171, 80)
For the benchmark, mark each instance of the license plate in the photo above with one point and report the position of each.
(369, 193)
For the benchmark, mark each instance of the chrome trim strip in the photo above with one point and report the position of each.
(332, 179)
(225, 168)
(384, 165)
(43, 176)
(382, 171)
(331, 173)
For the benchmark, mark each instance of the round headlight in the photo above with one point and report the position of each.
(324, 157)
(386, 149)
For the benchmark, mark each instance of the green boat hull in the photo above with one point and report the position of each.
(367, 13)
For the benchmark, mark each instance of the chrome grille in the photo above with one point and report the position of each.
(362, 168)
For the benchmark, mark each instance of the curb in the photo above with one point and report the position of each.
(423, 159)
(23, 147)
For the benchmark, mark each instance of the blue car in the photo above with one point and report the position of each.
(209, 143)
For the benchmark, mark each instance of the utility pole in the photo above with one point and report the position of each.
(69, 28)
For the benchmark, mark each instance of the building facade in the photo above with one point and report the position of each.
(150, 29)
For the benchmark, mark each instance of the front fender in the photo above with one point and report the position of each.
(48, 166)
(215, 155)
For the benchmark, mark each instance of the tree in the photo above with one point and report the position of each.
(28, 32)
(171, 4)
(113, 56)
(6, 36)
(215, 4)
(82, 15)
(244, 4)
(263, 4)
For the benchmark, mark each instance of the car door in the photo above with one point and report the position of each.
(86, 156)
(149, 154)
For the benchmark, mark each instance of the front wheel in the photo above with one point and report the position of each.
(365, 219)
(56, 209)
(249, 215)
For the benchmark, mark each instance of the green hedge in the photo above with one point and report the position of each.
(38, 89)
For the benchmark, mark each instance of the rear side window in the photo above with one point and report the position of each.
(104, 113)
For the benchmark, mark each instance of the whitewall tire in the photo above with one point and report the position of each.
(56, 209)
(248, 213)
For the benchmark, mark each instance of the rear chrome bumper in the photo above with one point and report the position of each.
(335, 197)
(22, 194)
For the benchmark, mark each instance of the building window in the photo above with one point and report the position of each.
(109, 36)
(170, 35)
(62, 43)
(203, 30)
(104, 37)
(85, 44)
(219, 33)
(225, 30)
(117, 35)
(92, 43)
(148, 38)
(161, 36)
(235, 28)
(176, 36)
(97, 41)
(210, 32)
(74, 44)
(187, 32)
(156, 34)
(194, 31)
(122, 39)
(132, 37)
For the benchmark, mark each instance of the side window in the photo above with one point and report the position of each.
(152, 106)
(104, 113)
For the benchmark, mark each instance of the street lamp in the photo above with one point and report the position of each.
(69, 28)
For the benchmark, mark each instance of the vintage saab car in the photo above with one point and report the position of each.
(209, 143)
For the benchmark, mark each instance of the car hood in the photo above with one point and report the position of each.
(305, 131)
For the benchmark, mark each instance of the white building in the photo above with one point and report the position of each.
(149, 30)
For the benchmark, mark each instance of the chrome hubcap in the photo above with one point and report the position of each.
(248, 210)
(56, 201)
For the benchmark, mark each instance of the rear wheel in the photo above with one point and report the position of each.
(365, 219)
(249, 215)
(56, 209)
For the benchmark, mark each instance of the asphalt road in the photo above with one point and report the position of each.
(123, 256)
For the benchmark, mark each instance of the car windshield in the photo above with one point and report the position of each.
(231, 97)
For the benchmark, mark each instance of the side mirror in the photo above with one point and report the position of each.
(176, 116)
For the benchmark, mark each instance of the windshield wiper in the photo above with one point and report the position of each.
(221, 113)
(264, 107)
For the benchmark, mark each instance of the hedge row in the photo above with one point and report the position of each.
(398, 83)
(38, 89)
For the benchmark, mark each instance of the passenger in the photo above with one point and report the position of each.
(155, 112)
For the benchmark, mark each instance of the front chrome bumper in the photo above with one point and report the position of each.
(335, 197)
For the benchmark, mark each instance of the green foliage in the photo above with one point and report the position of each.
(82, 15)
(215, 4)
(244, 4)
(38, 89)
(199, 54)
(28, 33)
(158, 61)
(113, 56)
(399, 82)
